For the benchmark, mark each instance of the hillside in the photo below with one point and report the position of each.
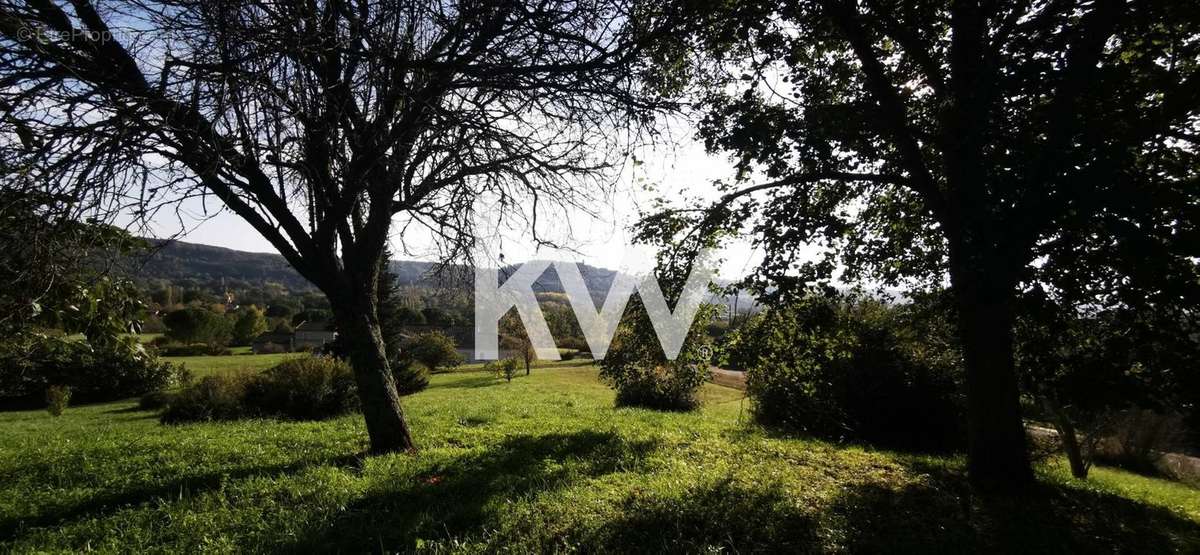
(180, 260)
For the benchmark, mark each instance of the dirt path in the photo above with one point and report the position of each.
(728, 378)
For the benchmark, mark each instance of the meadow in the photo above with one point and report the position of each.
(544, 463)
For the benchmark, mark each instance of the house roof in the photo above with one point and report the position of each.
(315, 326)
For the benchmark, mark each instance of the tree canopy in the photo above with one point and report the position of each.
(996, 146)
(327, 125)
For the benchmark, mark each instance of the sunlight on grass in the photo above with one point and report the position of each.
(542, 463)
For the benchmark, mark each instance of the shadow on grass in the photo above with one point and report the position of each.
(718, 517)
(944, 516)
(473, 382)
(461, 496)
(98, 505)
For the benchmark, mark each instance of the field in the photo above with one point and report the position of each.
(201, 366)
(542, 463)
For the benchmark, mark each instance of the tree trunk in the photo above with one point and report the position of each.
(1067, 434)
(381, 410)
(996, 457)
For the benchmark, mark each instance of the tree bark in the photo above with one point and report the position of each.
(386, 425)
(996, 454)
(1067, 434)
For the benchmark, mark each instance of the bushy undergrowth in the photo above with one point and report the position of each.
(192, 350)
(504, 368)
(310, 388)
(410, 378)
(94, 372)
(638, 369)
(667, 387)
(221, 397)
(848, 369)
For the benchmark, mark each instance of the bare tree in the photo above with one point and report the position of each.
(329, 124)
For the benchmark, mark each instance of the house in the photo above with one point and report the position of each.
(309, 336)
(313, 335)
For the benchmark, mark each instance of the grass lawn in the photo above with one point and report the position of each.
(542, 463)
(201, 366)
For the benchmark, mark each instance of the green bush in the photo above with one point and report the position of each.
(197, 325)
(847, 369)
(637, 368)
(212, 398)
(667, 387)
(119, 369)
(310, 388)
(410, 378)
(271, 348)
(193, 350)
(504, 368)
(434, 349)
(568, 354)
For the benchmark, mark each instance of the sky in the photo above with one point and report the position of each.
(604, 241)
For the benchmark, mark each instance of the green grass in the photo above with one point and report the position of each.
(208, 365)
(544, 463)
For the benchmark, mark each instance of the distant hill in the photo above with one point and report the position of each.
(178, 261)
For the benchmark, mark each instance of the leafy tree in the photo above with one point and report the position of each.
(50, 274)
(637, 368)
(514, 337)
(250, 323)
(993, 144)
(279, 308)
(433, 349)
(321, 122)
(436, 316)
(841, 366)
(196, 325)
(407, 315)
(1086, 364)
(560, 317)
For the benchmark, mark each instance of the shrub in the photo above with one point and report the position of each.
(667, 387)
(567, 354)
(57, 397)
(212, 398)
(504, 368)
(410, 378)
(249, 324)
(434, 349)
(308, 388)
(577, 343)
(108, 371)
(271, 348)
(193, 350)
(637, 368)
(197, 325)
(844, 369)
